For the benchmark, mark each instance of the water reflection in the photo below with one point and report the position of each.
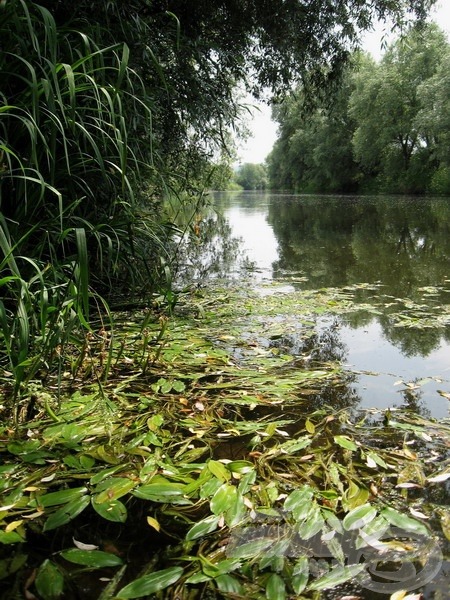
(313, 242)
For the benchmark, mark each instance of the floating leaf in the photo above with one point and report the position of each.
(61, 497)
(49, 581)
(359, 517)
(229, 585)
(337, 576)
(113, 510)
(223, 499)
(300, 575)
(162, 492)
(250, 549)
(66, 513)
(91, 558)
(219, 470)
(403, 521)
(345, 442)
(202, 528)
(275, 588)
(113, 488)
(150, 584)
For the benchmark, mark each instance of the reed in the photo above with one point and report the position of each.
(76, 140)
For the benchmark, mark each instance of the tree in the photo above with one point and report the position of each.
(252, 176)
(386, 104)
(314, 150)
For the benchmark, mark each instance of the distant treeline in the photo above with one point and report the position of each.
(386, 128)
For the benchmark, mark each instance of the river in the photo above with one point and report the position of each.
(400, 245)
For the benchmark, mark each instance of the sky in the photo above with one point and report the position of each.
(264, 130)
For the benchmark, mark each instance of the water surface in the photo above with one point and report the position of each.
(310, 242)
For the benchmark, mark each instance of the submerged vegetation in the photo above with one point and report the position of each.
(193, 453)
(154, 439)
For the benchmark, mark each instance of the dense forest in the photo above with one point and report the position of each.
(385, 129)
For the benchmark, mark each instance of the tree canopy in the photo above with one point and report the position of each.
(386, 127)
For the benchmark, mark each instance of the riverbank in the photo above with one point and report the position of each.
(179, 446)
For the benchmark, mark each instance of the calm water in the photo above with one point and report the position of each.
(310, 242)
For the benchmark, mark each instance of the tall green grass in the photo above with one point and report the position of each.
(76, 142)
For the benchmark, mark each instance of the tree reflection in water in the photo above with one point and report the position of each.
(400, 247)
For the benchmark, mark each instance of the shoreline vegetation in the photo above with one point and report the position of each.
(142, 455)
(149, 462)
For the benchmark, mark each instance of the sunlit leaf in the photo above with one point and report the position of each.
(338, 575)
(345, 442)
(403, 521)
(359, 517)
(150, 584)
(202, 528)
(223, 499)
(219, 470)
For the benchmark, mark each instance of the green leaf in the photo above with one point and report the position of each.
(250, 549)
(198, 578)
(91, 558)
(229, 585)
(113, 488)
(66, 513)
(150, 584)
(299, 502)
(219, 470)
(312, 525)
(337, 576)
(105, 473)
(300, 575)
(49, 581)
(8, 566)
(113, 510)
(345, 442)
(178, 386)
(10, 537)
(359, 517)
(223, 499)
(202, 528)
(404, 522)
(162, 492)
(242, 467)
(275, 588)
(61, 497)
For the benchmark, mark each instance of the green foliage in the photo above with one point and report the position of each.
(384, 129)
(230, 462)
(251, 176)
(314, 151)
